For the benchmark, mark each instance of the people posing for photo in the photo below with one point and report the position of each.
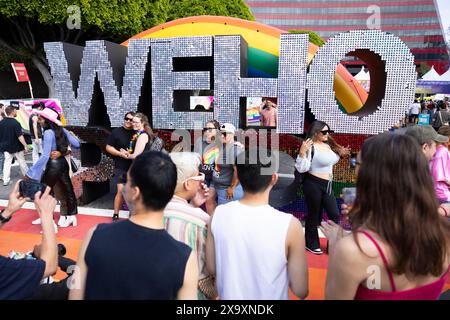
(143, 139)
(118, 140)
(318, 155)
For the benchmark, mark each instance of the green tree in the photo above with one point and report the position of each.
(26, 24)
(313, 37)
(423, 68)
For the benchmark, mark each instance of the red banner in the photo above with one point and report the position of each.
(20, 72)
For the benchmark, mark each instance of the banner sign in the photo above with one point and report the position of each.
(20, 72)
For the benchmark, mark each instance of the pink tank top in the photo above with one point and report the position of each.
(430, 291)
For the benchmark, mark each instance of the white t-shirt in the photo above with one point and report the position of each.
(250, 244)
(415, 107)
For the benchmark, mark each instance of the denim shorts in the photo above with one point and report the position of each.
(222, 195)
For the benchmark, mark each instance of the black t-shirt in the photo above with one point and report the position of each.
(39, 128)
(10, 131)
(19, 279)
(120, 139)
(128, 261)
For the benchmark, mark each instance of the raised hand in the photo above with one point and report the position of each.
(306, 146)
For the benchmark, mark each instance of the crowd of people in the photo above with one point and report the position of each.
(438, 112)
(201, 226)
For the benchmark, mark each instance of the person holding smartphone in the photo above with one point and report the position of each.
(399, 248)
(317, 185)
(19, 279)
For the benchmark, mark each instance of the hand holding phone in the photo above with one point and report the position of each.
(15, 200)
(349, 196)
(29, 188)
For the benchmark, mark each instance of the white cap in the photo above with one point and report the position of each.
(228, 127)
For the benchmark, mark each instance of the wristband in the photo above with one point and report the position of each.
(4, 220)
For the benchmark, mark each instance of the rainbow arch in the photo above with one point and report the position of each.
(263, 50)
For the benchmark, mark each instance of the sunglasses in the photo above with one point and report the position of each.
(128, 119)
(324, 132)
(200, 177)
(208, 129)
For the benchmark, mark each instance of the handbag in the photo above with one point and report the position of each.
(442, 122)
(207, 286)
(73, 165)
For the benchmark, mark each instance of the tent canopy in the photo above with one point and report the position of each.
(431, 75)
(445, 76)
(362, 75)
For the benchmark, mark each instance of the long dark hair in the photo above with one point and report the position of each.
(147, 128)
(314, 130)
(62, 143)
(396, 200)
(215, 123)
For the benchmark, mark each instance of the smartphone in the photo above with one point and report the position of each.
(28, 188)
(349, 196)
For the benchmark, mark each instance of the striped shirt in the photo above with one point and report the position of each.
(188, 225)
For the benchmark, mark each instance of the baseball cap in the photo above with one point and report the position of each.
(228, 127)
(425, 134)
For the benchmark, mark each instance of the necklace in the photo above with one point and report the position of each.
(134, 138)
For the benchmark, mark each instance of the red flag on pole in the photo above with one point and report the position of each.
(20, 72)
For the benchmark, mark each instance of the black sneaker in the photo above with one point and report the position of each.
(317, 251)
(115, 217)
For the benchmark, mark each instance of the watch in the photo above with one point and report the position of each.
(3, 220)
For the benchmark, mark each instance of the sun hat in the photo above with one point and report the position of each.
(49, 114)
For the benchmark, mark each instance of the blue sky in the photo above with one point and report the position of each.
(444, 9)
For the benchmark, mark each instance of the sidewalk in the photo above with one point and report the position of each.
(105, 202)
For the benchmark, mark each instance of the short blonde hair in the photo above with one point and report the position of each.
(187, 164)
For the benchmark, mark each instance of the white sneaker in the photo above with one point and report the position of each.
(68, 220)
(6, 183)
(62, 220)
(37, 221)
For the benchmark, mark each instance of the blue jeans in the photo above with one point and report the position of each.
(222, 195)
(2, 160)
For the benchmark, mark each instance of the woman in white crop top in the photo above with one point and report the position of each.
(317, 156)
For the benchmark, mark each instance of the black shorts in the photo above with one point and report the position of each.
(120, 176)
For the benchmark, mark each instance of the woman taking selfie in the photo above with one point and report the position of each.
(400, 247)
(54, 172)
(318, 154)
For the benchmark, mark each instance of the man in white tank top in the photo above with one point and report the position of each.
(256, 251)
